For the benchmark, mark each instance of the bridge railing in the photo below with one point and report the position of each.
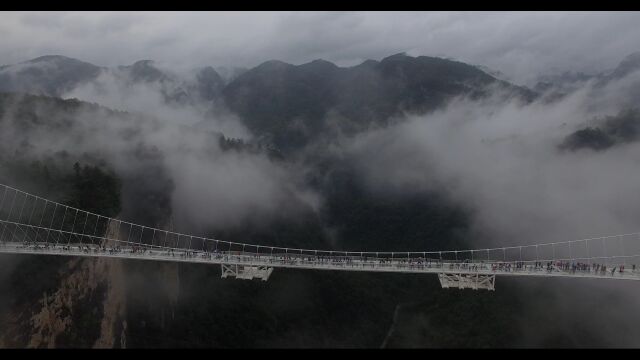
(31, 218)
(557, 268)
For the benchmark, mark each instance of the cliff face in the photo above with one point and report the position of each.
(87, 309)
(87, 306)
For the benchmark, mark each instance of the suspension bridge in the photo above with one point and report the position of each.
(31, 224)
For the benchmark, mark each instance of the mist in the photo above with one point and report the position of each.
(502, 162)
(155, 143)
(498, 158)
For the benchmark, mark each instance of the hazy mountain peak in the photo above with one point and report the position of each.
(634, 58)
(209, 83)
(320, 62)
(144, 70)
(208, 71)
(398, 56)
(495, 73)
(55, 60)
(230, 73)
(367, 63)
(628, 65)
(143, 63)
(49, 74)
(319, 65)
(47, 58)
(274, 64)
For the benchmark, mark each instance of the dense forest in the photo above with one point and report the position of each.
(302, 121)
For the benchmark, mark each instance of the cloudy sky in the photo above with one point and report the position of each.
(522, 45)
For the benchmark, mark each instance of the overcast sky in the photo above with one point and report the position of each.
(521, 45)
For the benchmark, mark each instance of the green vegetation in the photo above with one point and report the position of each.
(87, 187)
(294, 105)
(614, 130)
(95, 190)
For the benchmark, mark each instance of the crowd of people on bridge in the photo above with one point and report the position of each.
(344, 261)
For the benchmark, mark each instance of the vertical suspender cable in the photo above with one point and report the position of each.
(19, 217)
(9, 215)
(62, 224)
(73, 227)
(53, 217)
(35, 204)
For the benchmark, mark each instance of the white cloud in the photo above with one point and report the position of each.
(522, 45)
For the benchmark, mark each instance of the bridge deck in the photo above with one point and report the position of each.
(429, 266)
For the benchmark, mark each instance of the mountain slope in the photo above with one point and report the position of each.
(47, 75)
(293, 104)
(54, 75)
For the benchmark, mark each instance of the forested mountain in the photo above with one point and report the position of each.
(606, 132)
(356, 217)
(568, 81)
(55, 75)
(308, 173)
(287, 105)
(295, 104)
(48, 75)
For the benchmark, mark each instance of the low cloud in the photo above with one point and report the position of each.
(501, 160)
(522, 45)
(210, 186)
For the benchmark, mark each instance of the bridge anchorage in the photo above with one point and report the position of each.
(30, 224)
